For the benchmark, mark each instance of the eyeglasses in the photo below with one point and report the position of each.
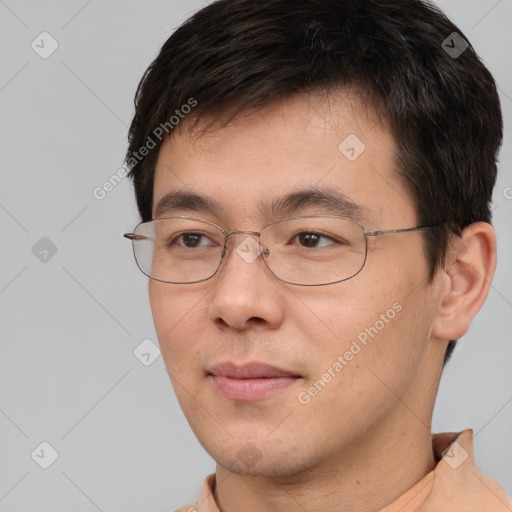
(305, 251)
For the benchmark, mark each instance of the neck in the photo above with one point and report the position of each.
(366, 477)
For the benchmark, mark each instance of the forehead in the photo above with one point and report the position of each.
(334, 144)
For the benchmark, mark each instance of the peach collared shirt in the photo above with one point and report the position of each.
(455, 485)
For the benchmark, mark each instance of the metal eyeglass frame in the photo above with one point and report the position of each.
(264, 251)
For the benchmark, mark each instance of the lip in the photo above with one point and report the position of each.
(252, 370)
(251, 381)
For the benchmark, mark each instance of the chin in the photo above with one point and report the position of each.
(260, 468)
(261, 459)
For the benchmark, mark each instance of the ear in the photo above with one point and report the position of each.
(466, 280)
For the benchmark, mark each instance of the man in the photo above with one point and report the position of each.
(314, 180)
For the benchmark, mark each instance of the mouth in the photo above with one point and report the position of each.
(252, 381)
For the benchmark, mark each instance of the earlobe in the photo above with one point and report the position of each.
(467, 276)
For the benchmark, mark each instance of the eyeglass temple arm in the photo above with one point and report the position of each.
(392, 231)
(406, 230)
(133, 236)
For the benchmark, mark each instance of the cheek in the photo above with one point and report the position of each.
(343, 311)
(176, 316)
(376, 320)
(362, 369)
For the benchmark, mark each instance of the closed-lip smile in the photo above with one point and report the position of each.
(250, 381)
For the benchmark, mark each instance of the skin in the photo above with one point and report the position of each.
(365, 439)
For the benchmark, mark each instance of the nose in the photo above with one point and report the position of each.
(245, 293)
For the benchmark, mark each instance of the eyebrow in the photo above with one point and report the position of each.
(329, 200)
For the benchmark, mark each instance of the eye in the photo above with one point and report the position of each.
(191, 240)
(311, 239)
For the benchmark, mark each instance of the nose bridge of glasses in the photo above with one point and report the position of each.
(261, 249)
(238, 232)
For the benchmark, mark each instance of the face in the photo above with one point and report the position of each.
(353, 352)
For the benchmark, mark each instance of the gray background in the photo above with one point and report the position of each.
(70, 323)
